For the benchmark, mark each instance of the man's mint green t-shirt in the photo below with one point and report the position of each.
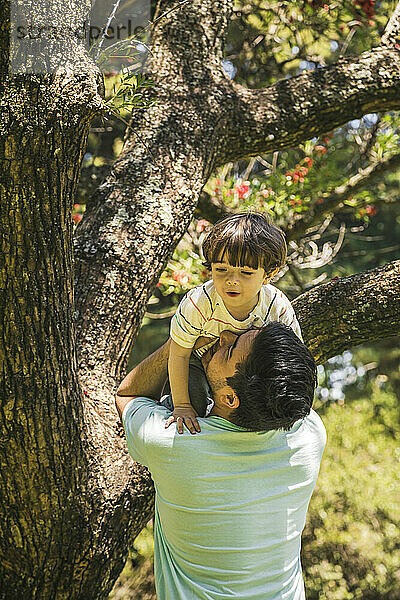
(230, 504)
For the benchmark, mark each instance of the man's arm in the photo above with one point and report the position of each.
(146, 379)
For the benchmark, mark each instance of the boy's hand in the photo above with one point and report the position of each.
(185, 415)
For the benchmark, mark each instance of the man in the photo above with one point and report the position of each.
(231, 501)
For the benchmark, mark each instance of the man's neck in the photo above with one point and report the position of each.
(218, 412)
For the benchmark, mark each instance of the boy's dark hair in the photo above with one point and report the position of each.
(246, 240)
(275, 383)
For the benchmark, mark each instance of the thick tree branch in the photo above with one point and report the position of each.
(297, 109)
(351, 311)
(334, 201)
(49, 490)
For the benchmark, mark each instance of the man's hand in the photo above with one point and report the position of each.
(184, 415)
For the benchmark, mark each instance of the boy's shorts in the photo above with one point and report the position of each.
(199, 390)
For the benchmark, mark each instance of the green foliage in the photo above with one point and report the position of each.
(284, 184)
(124, 92)
(183, 272)
(268, 41)
(288, 184)
(127, 93)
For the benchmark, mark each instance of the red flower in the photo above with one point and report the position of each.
(320, 149)
(181, 276)
(370, 209)
(201, 225)
(297, 175)
(76, 218)
(242, 189)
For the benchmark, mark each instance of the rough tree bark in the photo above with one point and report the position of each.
(343, 313)
(59, 525)
(70, 498)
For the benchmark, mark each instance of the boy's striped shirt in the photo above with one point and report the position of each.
(203, 313)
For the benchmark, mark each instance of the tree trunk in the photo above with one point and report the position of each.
(70, 497)
(59, 523)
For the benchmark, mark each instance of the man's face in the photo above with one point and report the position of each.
(220, 360)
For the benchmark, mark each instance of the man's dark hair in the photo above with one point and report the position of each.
(246, 240)
(275, 383)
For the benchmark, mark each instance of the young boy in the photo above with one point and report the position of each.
(244, 252)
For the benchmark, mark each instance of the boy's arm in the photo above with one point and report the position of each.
(146, 379)
(178, 369)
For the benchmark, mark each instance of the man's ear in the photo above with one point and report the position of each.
(231, 400)
(271, 274)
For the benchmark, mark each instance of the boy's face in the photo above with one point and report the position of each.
(237, 286)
